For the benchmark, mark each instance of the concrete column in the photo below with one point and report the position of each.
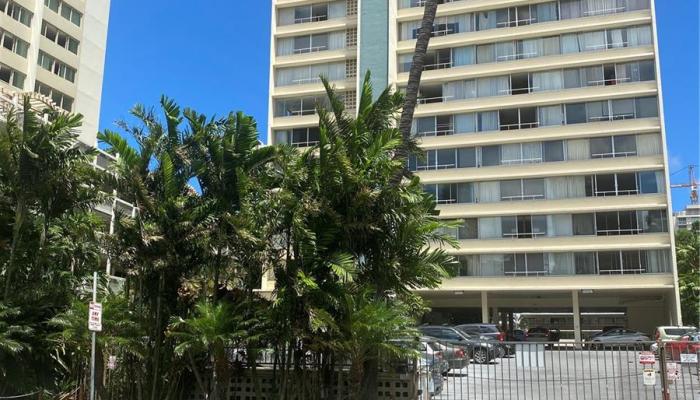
(494, 315)
(577, 316)
(485, 307)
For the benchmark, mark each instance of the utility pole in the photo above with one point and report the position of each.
(94, 325)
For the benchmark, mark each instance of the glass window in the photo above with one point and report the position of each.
(511, 190)
(490, 156)
(466, 157)
(605, 185)
(539, 225)
(535, 263)
(469, 229)
(632, 262)
(626, 184)
(601, 147)
(607, 223)
(585, 263)
(576, 113)
(302, 44)
(623, 109)
(648, 183)
(572, 78)
(609, 262)
(554, 150)
(625, 145)
(583, 224)
(533, 188)
(445, 158)
(646, 107)
(647, 71)
(509, 226)
(485, 53)
(465, 193)
(653, 221)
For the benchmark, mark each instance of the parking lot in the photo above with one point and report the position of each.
(565, 373)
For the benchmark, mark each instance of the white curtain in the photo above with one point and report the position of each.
(561, 264)
(599, 7)
(285, 16)
(511, 154)
(559, 225)
(463, 21)
(547, 12)
(592, 40)
(464, 56)
(551, 115)
(532, 152)
(336, 71)
(637, 5)
(566, 187)
(407, 29)
(491, 265)
(465, 123)
(658, 261)
(570, 9)
(489, 192)
(570, 43)
(639, 36)
(649, 144)
(470, 89)
(336, 40)
(453, 90)
(285, 76)
(285, 46)
(553, 80)
(505, 51)
(578, 149)
(549, 46)
(405, 61)
(490, 228)
(486, 20)
(496, 86)
(337, 9)
(485, 53)
(532, 48)
(281, 137)
(616, 39)
(488, 121)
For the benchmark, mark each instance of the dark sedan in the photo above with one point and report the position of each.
(478, 348)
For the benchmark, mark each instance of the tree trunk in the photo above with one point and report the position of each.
(158, 336)
(197, 376)
(416, 71)
(20, 213)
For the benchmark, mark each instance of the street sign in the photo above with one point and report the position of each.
(112, 362)
(649, 375)
(647, 357)
(673, 371)
(95, 317)
(689, 358)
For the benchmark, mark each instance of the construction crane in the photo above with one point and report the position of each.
(692, 184)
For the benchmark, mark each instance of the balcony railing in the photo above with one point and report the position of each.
(521, 125)
(312, 49)
(614, 10)
(314, 18)
(436, 99)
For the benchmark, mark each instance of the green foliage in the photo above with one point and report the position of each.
(345, 237)
(688, 260)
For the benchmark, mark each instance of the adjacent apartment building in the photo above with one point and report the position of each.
(54, 52)
(56, 48)
(542, 127)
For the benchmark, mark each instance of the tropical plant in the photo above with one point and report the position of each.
(688, 261)
(215, 330)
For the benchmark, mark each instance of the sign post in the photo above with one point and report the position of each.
(94, 325)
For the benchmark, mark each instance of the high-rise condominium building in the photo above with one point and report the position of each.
(542, 128)
(56, 48)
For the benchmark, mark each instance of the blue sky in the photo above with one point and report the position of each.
(214, 57)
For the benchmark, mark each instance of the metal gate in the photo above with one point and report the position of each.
(561, 371)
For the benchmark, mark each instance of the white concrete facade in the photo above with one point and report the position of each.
(543, 127)
(57, 48)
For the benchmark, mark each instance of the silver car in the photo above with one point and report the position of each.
(618, 337)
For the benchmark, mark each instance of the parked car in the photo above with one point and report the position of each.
(455, 357)
(667, 333)
(431, 364)
(517, 335)
(686, 344)
(542, 334)
(617, 337)
(492, 332)
(477, 348)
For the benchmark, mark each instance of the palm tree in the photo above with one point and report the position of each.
(12, 338)
(350, 228)
(213, 331)
(165, 242)
(414, 75)
(44, 174)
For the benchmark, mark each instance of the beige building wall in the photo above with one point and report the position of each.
(629, 43)
(57, 48)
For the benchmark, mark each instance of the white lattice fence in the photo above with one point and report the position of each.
(390, 387)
